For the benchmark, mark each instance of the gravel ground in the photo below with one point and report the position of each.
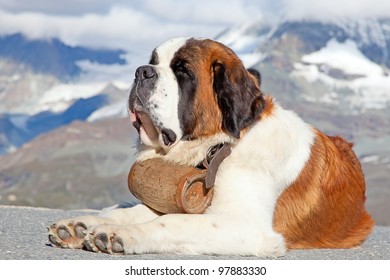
(23, 236)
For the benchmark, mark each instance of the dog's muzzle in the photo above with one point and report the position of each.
(145, 81)
(141, 112)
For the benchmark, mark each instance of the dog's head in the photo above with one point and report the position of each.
(190, 89)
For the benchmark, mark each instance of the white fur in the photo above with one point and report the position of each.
(165, 96)
(185, 152)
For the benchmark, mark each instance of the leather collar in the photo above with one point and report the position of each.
(213, 160)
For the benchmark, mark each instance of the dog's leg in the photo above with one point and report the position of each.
(70, 233)
(188, 234)
(238, 222)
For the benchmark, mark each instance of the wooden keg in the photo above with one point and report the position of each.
(169, 188)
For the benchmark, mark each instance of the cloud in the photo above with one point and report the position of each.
(330, 9)
(136, 25)
(69, 7)
(220, 10)
(119, 28)
(141, 25)
(205, 11)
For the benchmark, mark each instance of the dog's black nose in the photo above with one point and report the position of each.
(145, 72)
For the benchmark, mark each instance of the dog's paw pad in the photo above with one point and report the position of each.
(80, 229)
(102, 239)
(117, 244)
(101, 242)
(53, 239)
(63, 233)
(67, 234)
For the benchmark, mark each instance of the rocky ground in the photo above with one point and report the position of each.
(23, 236)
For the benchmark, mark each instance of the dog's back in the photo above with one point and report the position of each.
(324, 207)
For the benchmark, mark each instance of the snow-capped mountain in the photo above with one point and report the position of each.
(45, 84)
(342, 66)
(350, 59)
(53, 57)
(17, 129)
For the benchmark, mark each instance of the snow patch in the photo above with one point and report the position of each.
(250, 59)
(344, 56)
(366, 79)
(375, 159)
(370, 159)
(58, 98)
(244, 44)
(114, 110)
(93, 72)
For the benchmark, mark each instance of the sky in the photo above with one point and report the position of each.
(123, 24)
(138, 25)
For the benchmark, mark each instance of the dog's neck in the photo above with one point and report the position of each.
(189, 153)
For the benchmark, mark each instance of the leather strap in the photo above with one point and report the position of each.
(213, 160)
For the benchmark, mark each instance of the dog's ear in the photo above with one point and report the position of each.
(255, 74)
(239, 97)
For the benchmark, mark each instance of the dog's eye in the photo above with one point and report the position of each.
(180, 67)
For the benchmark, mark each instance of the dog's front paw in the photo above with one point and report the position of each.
(68, 234)
(109, 239)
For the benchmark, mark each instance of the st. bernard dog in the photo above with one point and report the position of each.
(285, 184)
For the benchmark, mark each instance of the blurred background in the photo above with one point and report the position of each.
(66, 68)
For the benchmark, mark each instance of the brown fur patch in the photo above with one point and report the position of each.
(324, 207)
(202, 57)
(207, 115)
(269, 107)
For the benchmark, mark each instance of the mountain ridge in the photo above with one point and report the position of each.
(52, 56)
(33, 72)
